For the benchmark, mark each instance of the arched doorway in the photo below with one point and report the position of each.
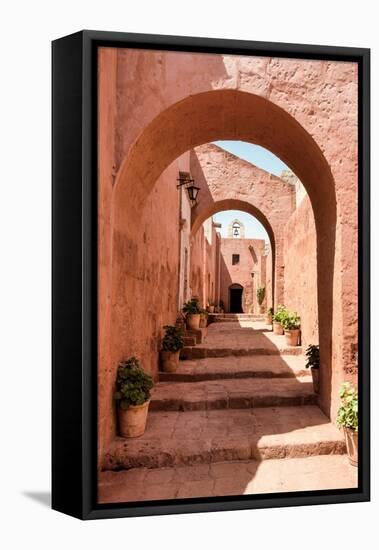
(195, 120)
(259, 268)
(247, 207)
(235, 298)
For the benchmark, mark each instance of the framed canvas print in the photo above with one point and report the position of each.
(210, 274)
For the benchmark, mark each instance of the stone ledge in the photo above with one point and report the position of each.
(219, 368)
(189, 438)
(189, 352)
(232, 394)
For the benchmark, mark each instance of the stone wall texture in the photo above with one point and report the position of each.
(300, 270)
(204, 277)
(227, 182)
(155, 106)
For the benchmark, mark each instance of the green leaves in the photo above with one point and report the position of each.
(173, 339)
(291, 320)
(312, 354)
(280, 313)
(192, 307)
(348, 412)
(261, 293)
(133, 384)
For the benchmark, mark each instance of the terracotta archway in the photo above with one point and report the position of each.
(248, 208)
(227, 182)
(203, 118)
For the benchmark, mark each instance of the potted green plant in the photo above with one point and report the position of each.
(261, 293)
(222, 307)
(269, 314)
(347, 418)
(132, 395)
(203, 318)
(291, 325)
(172, 343)
(192, 311)
(312, 354)
(278, 317)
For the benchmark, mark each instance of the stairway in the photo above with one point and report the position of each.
(246, 398)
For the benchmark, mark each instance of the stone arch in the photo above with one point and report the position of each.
(231, 114)
(244, 206)
(227, 180)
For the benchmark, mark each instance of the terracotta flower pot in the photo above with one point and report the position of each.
(351, 438)
(132, 421)
(315, 379)
(193, 321)
(211, 309)
(278, 329)
(292, 337)
(169, 360)
(261, 309)
(269, 320)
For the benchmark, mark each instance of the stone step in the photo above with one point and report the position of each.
(202, 352)
(197, 334)
(257, 366)
(230, 317)
(189, 438)
(245, 477)
(189, 341)
(232, 394)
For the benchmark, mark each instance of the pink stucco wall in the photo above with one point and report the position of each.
(300, 270)
(204, 269)
(229, 183)
(155, 106)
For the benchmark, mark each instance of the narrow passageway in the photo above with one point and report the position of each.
(240, 418)
(228, 193)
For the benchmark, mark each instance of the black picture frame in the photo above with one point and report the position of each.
(74, 272)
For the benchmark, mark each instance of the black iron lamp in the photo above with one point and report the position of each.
(192, 190)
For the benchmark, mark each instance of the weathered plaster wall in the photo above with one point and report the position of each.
(154, 106)
(149, 282)
(300, 275)
(250, 252)
(205, 263)
(227, 182)
(149, 252)
(269, 287)
(185, 248)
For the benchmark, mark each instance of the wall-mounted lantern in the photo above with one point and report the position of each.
(192, 190)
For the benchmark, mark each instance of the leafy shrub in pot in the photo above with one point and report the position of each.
(291, 325)
(132, 395)
(172, 343)
(347, 418)
(192, 311)
(261, 293)
(312, 354)
(278, 317)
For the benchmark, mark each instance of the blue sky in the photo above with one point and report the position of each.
(263, 159)
(255, 154)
